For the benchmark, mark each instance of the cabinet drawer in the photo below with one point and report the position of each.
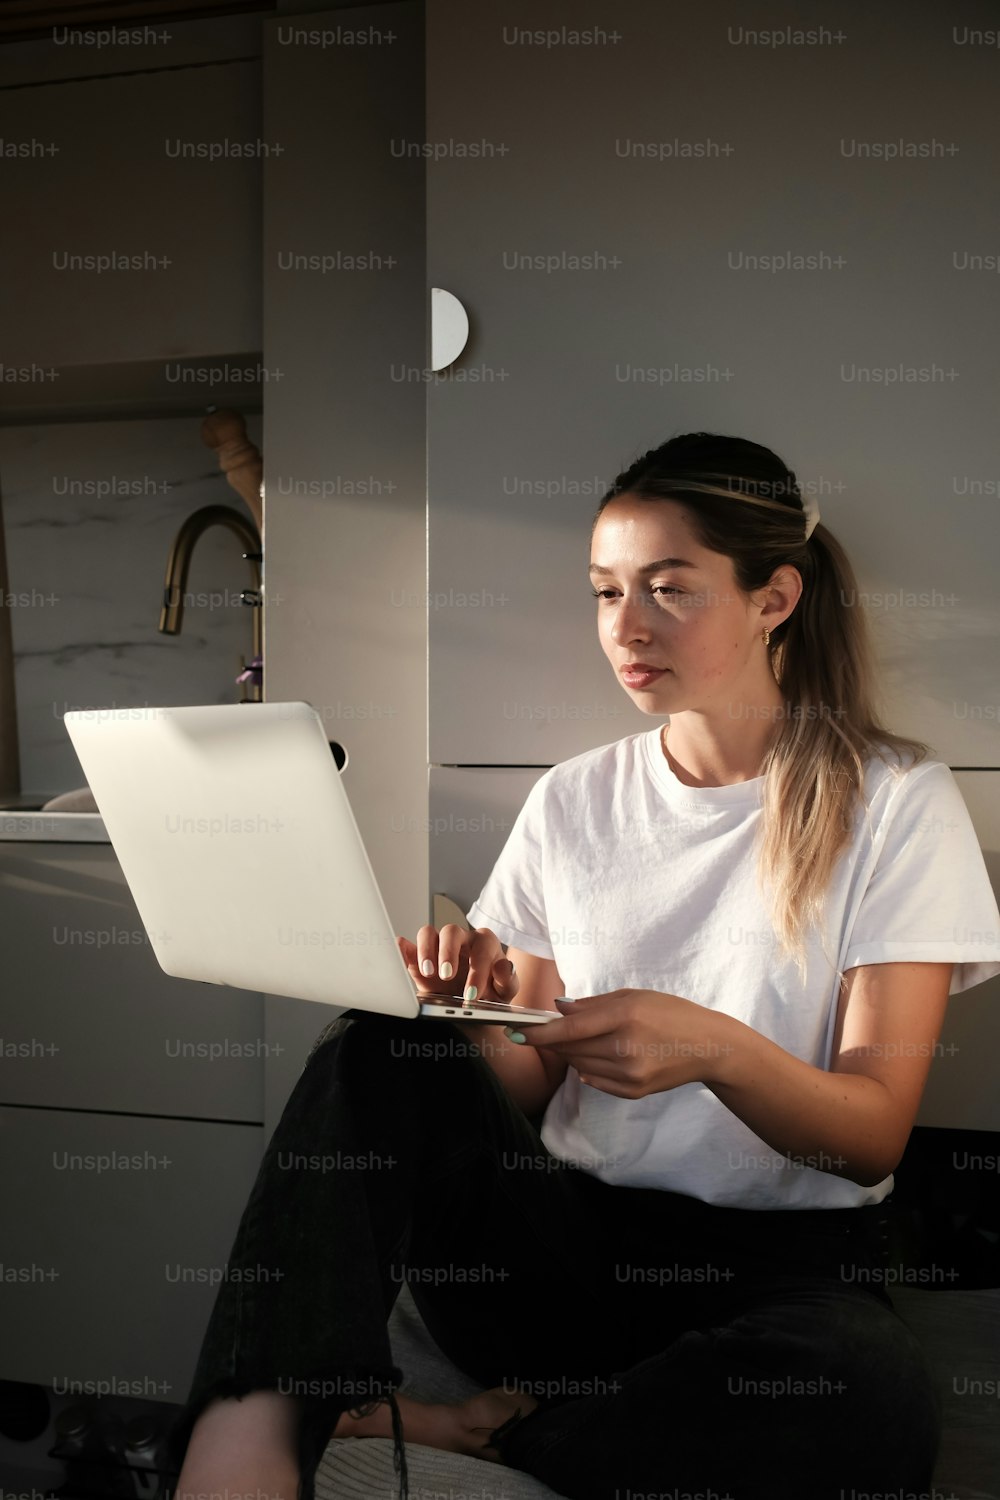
(90, 1020)
(111, 1229)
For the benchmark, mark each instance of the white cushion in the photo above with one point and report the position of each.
(361, 1468)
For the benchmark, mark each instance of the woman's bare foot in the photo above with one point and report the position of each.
(488, 1410)
(463, 1427)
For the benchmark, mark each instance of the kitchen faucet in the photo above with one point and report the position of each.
(179, 562)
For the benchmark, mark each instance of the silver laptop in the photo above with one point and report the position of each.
(232, 826)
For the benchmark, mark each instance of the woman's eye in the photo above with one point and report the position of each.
(663, 588)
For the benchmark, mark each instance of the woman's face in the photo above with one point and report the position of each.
(690, 621)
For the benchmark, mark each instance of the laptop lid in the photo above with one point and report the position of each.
(298, 911)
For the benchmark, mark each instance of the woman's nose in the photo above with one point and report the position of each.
(631, 619)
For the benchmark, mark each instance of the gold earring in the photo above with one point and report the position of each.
(766, 636)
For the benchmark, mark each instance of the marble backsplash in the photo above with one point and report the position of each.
(90, 510)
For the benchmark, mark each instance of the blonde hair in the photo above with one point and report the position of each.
(822, 657)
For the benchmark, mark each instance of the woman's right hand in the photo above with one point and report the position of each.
(475, 957)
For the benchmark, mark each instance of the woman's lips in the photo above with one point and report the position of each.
(641, 678)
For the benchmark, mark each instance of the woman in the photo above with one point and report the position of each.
(652, 1228)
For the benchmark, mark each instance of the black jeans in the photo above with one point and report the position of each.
(672, 1345)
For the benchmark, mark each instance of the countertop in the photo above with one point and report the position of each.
(52, 827)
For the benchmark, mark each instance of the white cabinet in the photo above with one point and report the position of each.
(961, 1090)
(90, 1020)
(609, 218)
(133, 240)
(115, 1232)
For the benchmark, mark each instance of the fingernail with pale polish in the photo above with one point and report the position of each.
(471, 992)
(515, 1036)
(427, 967)
(446, 971)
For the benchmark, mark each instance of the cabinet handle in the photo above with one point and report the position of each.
(449, 328)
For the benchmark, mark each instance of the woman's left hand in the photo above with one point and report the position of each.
(636, 1042)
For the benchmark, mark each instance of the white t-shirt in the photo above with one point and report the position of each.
(628, 878)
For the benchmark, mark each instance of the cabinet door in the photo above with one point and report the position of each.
(472, 810)
(610, 216)
(115, 1234)
(961, 1090)
(132, 227)
(90, 1020)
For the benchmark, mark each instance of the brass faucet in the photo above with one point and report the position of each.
(179, 561)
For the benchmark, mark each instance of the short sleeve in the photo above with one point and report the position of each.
(929, 898)
(512, 902)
